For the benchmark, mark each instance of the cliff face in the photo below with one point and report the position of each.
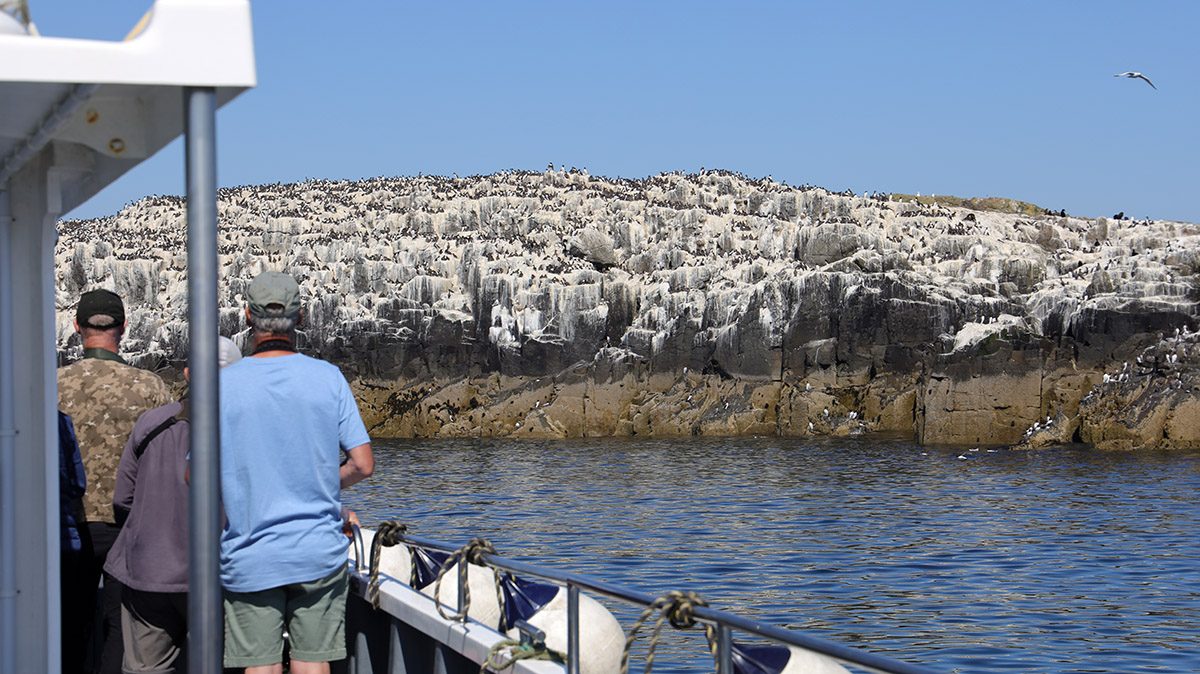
(562, 304)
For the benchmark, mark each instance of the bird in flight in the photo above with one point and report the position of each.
(1138, 76)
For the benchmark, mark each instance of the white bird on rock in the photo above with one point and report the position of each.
(1138, 76)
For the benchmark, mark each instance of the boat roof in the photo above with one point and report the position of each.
(108, 105)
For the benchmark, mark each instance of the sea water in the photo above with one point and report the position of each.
(963, 560)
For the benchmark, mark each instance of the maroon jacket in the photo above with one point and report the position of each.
(151, 552)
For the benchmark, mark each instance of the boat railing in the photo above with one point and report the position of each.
(724, 622)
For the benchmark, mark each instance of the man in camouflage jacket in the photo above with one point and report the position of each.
(104, 396)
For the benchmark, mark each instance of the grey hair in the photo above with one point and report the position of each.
(117, 330)
(273, 325)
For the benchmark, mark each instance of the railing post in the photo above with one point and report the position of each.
(724, 649)
(462, 589)
(572, 629)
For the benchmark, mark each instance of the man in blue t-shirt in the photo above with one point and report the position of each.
(285, 421)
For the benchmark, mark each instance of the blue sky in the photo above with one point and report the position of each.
(1014, 99)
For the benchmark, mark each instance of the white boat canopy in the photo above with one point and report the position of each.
(74, 116)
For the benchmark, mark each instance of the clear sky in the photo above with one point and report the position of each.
(1006, 98)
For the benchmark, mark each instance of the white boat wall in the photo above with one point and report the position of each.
(77, 114)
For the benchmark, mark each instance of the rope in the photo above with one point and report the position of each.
(414, 558)
(517, 651)
(389, 533)
(677, 608)
(500, 597)
(471, 553)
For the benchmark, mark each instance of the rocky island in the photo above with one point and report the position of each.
(561, 304)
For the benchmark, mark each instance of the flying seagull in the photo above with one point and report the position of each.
(1138, 76)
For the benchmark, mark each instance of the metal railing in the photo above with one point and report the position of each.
(723, 621)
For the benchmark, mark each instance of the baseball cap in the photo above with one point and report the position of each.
(227, 352)
(274, 287)
(103, 303)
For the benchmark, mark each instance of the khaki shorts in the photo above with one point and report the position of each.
(313, 612)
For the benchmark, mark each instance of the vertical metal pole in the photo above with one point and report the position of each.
(8, 462)
(572, 629)
(724, 649)
(464, 578)
(205, 613)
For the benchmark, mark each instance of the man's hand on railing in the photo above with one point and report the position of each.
(349, 521)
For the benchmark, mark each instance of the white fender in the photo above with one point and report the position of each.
(394, 561)
(807, 662)
(769, 660)
(601, 639)
(484, 606)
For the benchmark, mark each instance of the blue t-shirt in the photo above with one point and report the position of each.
(284, 422)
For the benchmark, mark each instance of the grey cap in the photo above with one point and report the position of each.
(274, 287)
(227, 352)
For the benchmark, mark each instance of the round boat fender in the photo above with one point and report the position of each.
(484, 606)
(782, 660)
(397, 561)
(601, 639)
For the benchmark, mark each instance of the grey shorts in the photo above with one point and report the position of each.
(314, 614)
(153, 631)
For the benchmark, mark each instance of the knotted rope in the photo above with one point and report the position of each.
(675, 607)
(388, 534)
(471, 553)
(517, 651)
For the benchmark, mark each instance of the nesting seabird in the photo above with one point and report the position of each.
(1138, 76)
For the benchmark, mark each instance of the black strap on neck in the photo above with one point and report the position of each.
(274, 345)
(181, 415)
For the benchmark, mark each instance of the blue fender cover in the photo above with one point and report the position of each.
(426, 565)
(523, 598)
(760, 659)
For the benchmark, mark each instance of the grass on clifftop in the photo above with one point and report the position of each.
(999, 204)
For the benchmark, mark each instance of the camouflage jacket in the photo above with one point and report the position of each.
(105, 397)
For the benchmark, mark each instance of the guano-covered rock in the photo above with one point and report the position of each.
(560, 304)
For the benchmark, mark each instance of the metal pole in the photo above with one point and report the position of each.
(8, 441)
(462, 588)
(724, 650)
(572, 629)
(205, 613)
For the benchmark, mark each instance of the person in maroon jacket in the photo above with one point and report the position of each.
(150, 555)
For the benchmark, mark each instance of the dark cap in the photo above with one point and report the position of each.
(274, 287)
(100, 309)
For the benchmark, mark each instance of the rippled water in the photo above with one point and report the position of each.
(1061, 560)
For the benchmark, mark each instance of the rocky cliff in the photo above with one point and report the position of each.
(563, 304)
